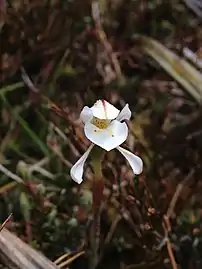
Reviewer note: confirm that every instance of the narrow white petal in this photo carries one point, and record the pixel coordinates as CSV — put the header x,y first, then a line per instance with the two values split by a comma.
x,y
134,161
104,110
86,114
76,171
125,114
111,137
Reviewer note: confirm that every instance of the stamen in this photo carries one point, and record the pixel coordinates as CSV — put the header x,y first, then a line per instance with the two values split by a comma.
x,y
111,133
100,123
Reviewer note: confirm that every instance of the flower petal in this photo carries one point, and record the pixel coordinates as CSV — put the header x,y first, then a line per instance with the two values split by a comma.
x,y
104,110
111,137
86,114
125,114
134,161
76,171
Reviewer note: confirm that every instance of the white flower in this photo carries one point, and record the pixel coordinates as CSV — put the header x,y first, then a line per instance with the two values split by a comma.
x,y
103,126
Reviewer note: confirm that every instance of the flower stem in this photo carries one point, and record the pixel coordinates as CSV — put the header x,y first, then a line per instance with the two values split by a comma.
x,y
97,188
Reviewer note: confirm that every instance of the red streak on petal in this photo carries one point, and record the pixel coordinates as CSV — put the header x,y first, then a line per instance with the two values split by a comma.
x,y
105,109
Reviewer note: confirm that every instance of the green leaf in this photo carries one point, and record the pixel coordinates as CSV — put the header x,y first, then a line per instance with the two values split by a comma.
x,y
11,87
26,128
177,67
25,206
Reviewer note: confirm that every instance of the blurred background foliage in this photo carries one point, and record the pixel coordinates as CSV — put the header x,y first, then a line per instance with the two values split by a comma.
x,y
56,57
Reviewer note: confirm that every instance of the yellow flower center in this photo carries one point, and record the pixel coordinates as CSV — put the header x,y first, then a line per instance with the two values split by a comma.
x,y
100,123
